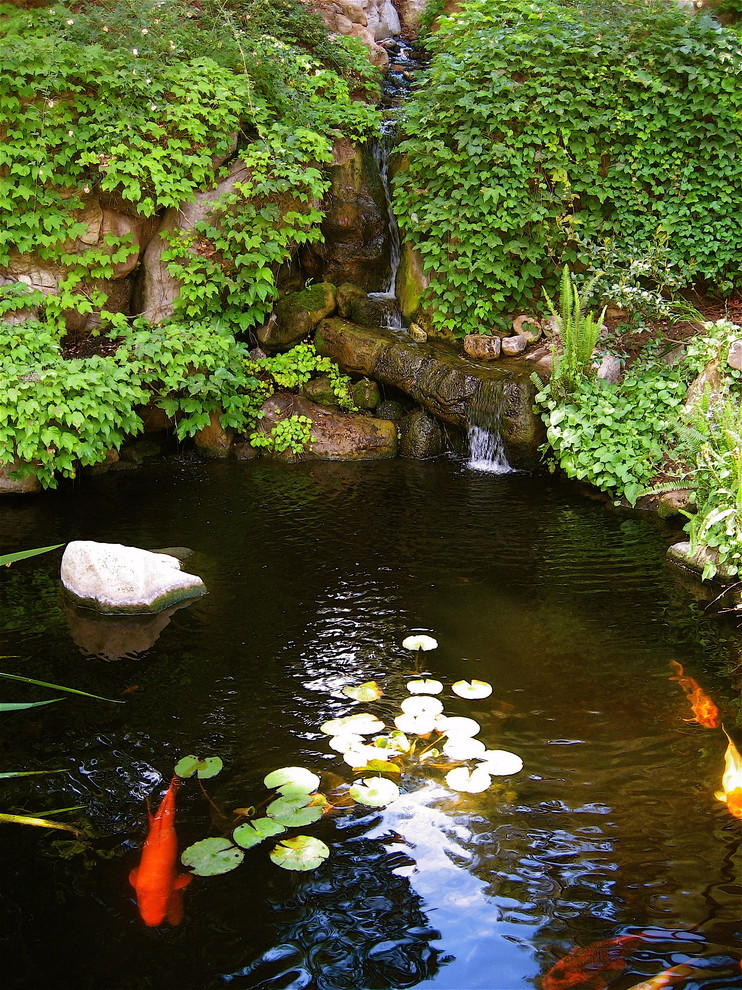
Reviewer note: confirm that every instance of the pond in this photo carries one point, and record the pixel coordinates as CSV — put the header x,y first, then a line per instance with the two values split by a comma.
x,y
316,573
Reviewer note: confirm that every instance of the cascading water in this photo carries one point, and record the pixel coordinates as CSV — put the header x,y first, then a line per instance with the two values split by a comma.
x,y
486,447
397,85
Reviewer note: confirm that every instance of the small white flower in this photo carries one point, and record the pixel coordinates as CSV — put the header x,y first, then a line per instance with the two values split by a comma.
x,y
70,21
135,51
70,133
105,28
148,80
86,189
153,106
145,30
50,103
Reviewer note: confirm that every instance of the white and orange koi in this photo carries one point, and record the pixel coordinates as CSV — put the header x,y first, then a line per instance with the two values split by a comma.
x,y
731,781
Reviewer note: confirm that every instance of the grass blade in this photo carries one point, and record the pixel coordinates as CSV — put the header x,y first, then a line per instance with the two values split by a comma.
x,y
11,558
58,687
26,773
39,823
16,706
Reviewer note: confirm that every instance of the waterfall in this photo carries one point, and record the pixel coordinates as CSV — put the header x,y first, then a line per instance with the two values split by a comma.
x,y
486,447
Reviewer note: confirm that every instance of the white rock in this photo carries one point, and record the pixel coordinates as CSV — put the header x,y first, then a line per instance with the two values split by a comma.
x,y
113,578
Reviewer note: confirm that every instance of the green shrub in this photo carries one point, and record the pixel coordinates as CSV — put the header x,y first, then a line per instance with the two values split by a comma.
x,y
543,124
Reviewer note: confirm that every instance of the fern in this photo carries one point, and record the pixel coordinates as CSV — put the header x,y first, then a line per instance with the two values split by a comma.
x,y
579,332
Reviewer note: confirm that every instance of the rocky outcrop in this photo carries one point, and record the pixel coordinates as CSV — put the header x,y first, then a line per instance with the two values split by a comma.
x,y
112,578
336,436
11,485
450,386
296,315
369,20
356,245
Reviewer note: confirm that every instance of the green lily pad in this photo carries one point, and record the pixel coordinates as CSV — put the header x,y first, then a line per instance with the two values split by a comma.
x,y
293,812
472,689
421,704
471,781
345,741
252,833
420,642
457,725
415,725
303,852
362,723
396,741
425,685
463,748
294,779
380,766
210,857
205,767
370,691
375,792
500,762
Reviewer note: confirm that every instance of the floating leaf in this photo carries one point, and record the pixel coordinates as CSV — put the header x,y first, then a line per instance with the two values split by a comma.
x,y
303,852
472,689
463,748
396,741
295,778
420,642
345,741
205,767
252,833
380,766
38,822
362,723
457,725
500,762
472,781
375,792
416,725
370,691
421,704
292,814
424,685
17,706
210,857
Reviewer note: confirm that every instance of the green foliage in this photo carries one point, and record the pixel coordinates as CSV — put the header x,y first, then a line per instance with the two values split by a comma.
x,y
578,335
614,436
547,124
117,100
292,369
293,433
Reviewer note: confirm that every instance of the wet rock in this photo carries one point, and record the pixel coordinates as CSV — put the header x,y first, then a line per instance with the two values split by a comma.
x,y
297,314
17,486
103,467
112,578
696,560
482,347
674,503
390,409
417,333
450,387
356,245
346,294
512,346
320,390
337,436
366,394
420,435
214,440
411,283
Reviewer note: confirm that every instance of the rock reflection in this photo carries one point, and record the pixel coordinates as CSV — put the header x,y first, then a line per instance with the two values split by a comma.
x,y
116,637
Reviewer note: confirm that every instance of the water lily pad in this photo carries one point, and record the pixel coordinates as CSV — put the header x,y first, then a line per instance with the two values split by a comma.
x,y
345,741
500,762
421,704
424,685
294,778
472,689
252,833
457,725
375,792
472,781
420,642
293,812
396,741
359,756
380,766
203,767
463,748
415,725
362,723
370,691
210,857
303,852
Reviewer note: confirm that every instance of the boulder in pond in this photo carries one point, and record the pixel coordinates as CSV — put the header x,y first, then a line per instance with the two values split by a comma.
x,y
297,314
420,435
116,579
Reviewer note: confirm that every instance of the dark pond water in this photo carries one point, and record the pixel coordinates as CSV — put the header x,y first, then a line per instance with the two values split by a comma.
x,y
315,575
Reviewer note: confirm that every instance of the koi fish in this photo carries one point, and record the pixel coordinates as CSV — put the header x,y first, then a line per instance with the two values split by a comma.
x,y
705,711
159,889
731,781
667,978
594,966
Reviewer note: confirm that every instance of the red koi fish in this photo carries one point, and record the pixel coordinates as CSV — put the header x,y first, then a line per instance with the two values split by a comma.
x,y
704,710
595,966
159,889
731,781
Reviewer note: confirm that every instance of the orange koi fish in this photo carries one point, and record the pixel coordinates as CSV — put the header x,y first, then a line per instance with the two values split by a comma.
x,y
731,781
594,966
705,711
667,978
159,889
